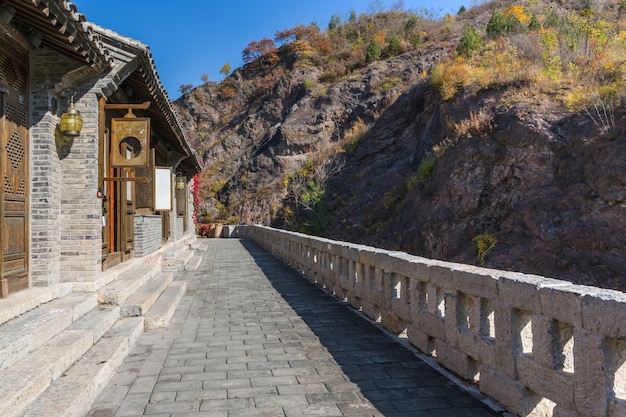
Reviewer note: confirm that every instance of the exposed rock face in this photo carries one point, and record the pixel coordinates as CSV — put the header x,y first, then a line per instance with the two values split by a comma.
x,y
544,183
550,189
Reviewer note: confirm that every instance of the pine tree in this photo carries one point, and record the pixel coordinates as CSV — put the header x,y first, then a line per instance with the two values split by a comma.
x,y
373,51
470,42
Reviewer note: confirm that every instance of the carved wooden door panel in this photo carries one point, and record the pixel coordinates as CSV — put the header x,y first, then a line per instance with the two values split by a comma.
x,y
14,176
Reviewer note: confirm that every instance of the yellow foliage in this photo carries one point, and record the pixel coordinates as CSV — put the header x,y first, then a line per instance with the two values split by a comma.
x,y
448,79
517,11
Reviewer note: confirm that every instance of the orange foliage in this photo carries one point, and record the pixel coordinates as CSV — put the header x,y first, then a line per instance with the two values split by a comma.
x,y
380,37
517,11
256,49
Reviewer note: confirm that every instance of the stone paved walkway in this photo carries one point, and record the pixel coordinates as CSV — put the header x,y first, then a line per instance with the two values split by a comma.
x,y
252,337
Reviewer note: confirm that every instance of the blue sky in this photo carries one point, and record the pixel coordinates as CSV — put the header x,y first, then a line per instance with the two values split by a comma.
x,y
189,38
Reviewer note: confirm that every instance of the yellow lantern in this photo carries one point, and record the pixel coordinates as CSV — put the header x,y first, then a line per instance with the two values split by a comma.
x,y
71,121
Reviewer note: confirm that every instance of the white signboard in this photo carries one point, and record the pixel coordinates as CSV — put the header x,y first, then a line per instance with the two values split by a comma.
x,y
162,188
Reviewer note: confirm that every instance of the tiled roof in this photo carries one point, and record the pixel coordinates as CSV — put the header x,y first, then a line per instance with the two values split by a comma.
x,y
137,70
64,29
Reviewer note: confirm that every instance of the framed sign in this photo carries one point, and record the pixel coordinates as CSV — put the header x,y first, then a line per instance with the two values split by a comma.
x,y
162,188
130,141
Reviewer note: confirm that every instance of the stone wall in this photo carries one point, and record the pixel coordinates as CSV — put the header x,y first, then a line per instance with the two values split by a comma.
x,y
538,346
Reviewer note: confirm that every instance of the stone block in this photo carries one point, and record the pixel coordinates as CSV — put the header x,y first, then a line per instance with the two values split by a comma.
x,y
370,310
521,291
548,383
430,324
508,392
617,408
562,412
420,340
392,322
563,303
475,281
456,361
505,341
481,349
544,343
441,276
165,306
451,318
590,382
604,313
354,301
401,309
408,265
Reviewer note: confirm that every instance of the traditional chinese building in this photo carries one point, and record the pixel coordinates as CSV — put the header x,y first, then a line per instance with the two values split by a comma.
x,y
94,202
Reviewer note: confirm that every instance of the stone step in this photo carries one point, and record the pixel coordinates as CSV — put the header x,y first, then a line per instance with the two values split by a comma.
x,y
200,245
163,310
27,378
29,299
174,260
194,263
36,327
73,394
141,301
127,283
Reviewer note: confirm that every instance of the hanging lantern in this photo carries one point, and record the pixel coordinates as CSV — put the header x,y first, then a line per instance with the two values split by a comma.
x,y
180,181
71,122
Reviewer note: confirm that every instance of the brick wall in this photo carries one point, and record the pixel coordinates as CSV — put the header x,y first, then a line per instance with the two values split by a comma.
x,y
148,234
66,228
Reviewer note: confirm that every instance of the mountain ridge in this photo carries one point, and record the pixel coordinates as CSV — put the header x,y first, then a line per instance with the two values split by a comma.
x,y
379,153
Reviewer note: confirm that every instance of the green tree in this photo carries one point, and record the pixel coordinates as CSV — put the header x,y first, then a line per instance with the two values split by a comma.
x,y
534,24
335,22
497,24
462,10
552,20
470,42
395,46
412,23
373,51
352,18
225,70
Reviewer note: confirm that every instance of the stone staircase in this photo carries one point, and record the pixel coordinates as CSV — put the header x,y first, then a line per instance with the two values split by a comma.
x,y
59,348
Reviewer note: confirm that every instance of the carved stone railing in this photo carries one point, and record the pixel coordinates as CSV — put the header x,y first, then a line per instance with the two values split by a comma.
x,y
538,346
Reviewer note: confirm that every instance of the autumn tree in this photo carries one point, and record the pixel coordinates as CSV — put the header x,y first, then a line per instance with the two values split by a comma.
x,y
185,88
310,34
257,49
225,70
205,77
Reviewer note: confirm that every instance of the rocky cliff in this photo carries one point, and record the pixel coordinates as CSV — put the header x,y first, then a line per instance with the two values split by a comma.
x,y
373,154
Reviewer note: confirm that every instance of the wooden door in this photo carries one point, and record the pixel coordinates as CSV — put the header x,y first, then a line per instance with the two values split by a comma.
x,y
128,232
14,144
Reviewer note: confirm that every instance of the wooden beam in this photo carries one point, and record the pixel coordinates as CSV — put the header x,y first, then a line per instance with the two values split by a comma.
x,y
142,180
142,106
4,288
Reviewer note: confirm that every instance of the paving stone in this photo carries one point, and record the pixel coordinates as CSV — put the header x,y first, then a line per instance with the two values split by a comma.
x,y
253,338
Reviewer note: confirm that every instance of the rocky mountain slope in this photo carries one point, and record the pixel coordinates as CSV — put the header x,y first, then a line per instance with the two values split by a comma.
x,y
503,175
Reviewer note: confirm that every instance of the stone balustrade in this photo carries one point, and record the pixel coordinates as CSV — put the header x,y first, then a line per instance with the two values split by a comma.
x,y
538,346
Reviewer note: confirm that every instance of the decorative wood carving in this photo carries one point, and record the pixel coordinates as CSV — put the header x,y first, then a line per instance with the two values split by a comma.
x,y
130,141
